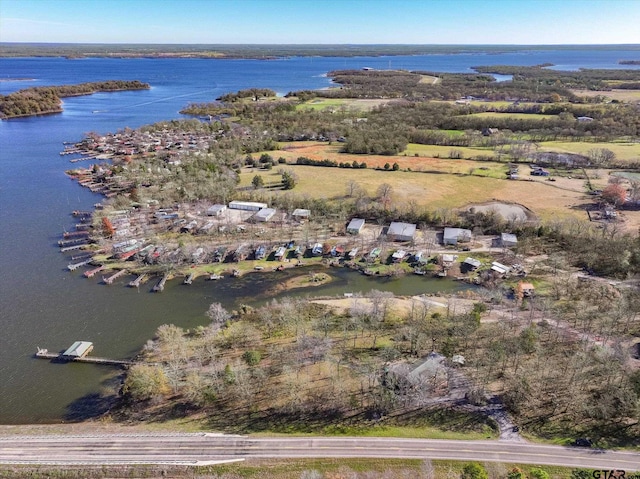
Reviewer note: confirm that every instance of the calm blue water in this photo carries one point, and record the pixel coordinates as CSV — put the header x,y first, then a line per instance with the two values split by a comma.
x,y
44,305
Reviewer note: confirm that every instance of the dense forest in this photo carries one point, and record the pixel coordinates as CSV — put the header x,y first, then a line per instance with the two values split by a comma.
x,y
43,100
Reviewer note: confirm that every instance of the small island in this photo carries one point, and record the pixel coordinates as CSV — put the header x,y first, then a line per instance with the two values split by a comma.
x,y
629,62
48,99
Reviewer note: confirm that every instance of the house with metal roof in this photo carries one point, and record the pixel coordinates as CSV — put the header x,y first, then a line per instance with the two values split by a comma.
x,y
301,214
472,263
247,205
355,226
453,236
265,214
508,240
216,210
401,231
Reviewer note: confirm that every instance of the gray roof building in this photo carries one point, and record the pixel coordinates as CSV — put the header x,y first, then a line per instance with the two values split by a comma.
x,y
355,226
265,214
401,231
508,239
79,349
452,236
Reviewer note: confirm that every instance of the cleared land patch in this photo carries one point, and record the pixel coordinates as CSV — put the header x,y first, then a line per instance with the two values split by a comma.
x,y
518,116
336,103
433,190
624,151
632,96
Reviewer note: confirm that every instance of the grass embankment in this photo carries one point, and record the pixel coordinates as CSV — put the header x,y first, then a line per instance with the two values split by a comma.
x,y
322,468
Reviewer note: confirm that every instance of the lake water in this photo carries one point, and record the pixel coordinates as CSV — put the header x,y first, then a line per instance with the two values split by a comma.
x,y
42,304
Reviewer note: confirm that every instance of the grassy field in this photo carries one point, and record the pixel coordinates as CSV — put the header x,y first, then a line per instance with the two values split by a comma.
x,y
336,103
434,190
320,468
518,116
632,96
624,151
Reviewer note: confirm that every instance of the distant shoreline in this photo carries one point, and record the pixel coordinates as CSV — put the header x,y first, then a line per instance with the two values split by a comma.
x,y
266,52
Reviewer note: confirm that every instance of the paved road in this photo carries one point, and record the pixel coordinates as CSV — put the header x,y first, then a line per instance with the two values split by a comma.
x,y
101,449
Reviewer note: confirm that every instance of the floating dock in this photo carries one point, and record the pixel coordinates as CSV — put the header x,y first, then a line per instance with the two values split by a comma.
x,y
64,357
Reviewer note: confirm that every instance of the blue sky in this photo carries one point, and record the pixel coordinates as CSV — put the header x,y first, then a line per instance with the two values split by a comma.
x,y
322,21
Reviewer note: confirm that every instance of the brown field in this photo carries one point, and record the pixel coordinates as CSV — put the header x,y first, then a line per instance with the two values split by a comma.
x,y
437,183
632,96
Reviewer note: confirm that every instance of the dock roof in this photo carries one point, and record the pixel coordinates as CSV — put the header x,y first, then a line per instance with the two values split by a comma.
x,y
79,349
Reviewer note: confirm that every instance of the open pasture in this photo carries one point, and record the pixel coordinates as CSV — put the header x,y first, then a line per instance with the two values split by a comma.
x,y
631,96
337,103
515,116
431,190
624,151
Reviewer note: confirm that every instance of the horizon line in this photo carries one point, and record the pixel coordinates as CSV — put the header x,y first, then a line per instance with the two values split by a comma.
x,y
331,44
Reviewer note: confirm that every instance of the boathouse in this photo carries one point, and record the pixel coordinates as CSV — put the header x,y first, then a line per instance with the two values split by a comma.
x,y
79,349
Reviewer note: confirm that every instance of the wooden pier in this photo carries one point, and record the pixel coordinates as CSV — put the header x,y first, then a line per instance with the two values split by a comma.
x,y
159,288
92,272
59,357
73,248
72,242
138,281
113,277
74,266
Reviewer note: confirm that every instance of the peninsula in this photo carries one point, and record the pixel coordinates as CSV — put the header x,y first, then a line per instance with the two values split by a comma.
x,y
48,99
